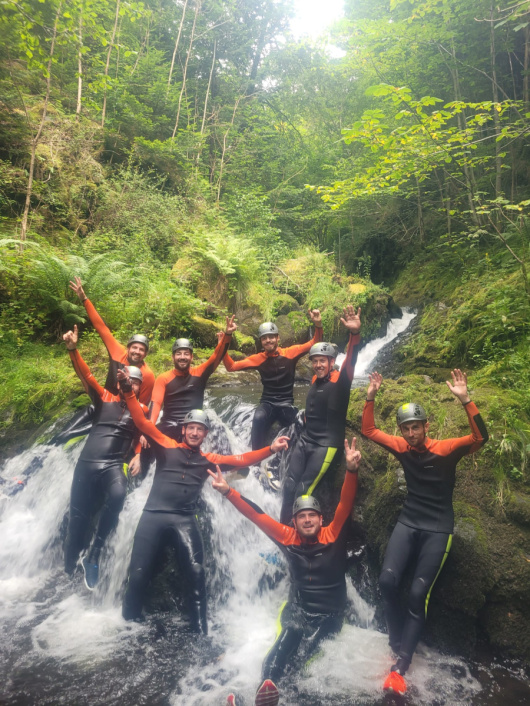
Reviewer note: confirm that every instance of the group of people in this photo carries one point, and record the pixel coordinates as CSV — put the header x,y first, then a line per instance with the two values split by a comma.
x,y
316,554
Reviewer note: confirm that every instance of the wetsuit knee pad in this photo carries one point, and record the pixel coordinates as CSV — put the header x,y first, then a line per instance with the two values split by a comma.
x,y
388,582
417,597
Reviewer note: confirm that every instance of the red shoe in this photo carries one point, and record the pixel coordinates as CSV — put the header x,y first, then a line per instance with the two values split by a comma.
x,y
395,683
267,695
231,700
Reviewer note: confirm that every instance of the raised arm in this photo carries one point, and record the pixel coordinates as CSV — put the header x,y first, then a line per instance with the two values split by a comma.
x,y
479,434
295,352
282,534
83,371
250,363
368,428
251,457
115,349
159,391
207,368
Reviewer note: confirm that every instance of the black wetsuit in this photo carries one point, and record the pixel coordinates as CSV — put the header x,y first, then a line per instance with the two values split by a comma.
x,y
425,526
277,373
169,514
322,440
317,596
99,470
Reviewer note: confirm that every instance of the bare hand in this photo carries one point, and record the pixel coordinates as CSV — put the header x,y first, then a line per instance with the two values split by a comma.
x,y
135,465
144,443
315,317
77,287
219,483
280,444
124,380
375,383
352,455
459,386
231,325
220,335
71,338
352,319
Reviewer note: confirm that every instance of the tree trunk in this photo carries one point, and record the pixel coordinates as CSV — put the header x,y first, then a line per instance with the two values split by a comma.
x,y
208,89
176,47
223,153
185,72
526,64
421,225
36,139
106,74
79,66
496,119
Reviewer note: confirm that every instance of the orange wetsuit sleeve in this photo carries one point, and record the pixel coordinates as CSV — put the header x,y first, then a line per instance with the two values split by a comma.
x,y
115,349
159,391
148,383
241,460
466,444
348,364
250,363
144,425
370,431
83,371
283,534
344,508
206,369
294,352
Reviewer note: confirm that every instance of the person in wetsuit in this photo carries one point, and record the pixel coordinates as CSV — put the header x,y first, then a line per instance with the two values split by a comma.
x,y
317,560
99,468
180,390
276,367
133,354
319,445
424,530
169,513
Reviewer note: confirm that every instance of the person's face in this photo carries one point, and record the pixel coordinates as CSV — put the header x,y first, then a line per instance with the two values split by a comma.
x,y
136,385
182,358
322,365
414,433
269,342
307,523
194,434
136,353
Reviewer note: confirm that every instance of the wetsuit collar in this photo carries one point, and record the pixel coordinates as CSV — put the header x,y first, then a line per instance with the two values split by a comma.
x,y
426,446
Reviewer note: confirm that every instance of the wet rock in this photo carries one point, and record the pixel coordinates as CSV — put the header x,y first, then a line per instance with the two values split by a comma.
x,y
517,508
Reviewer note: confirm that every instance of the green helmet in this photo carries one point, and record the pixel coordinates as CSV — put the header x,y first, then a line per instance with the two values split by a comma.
x,y
306,502
197,416
410,412
138,338
327,349
182,343
135,373
268,329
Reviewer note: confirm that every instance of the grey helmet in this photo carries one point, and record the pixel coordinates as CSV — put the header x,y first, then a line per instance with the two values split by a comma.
x,y
197,416
138,338
306,502
182,343
327,349
410,412
268,329
135,373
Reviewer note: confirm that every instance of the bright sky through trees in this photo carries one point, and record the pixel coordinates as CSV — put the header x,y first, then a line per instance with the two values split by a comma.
x,y
314,16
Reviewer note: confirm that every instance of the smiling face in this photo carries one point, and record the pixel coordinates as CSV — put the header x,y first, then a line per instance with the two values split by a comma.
x,y
307,523
194,434
136,353
322,365
182,358
414,433
270,342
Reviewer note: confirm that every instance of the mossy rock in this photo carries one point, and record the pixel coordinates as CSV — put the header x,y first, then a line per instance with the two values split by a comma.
x,y
517,508
246,344
204,331
283,304
293,328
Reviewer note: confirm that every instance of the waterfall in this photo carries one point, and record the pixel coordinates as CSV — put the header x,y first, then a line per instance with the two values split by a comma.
x,y
62,644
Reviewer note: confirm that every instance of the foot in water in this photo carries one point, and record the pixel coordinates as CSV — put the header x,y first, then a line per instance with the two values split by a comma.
x,y
91,572
267,695
395,684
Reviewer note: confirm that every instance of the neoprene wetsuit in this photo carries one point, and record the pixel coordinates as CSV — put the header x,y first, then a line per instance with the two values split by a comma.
x,y
277,372
99,469
317,596
118,354
321,442
178,393
425,525
169,513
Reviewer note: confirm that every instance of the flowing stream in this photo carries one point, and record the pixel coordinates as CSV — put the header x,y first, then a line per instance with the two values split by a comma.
x,y
63,645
